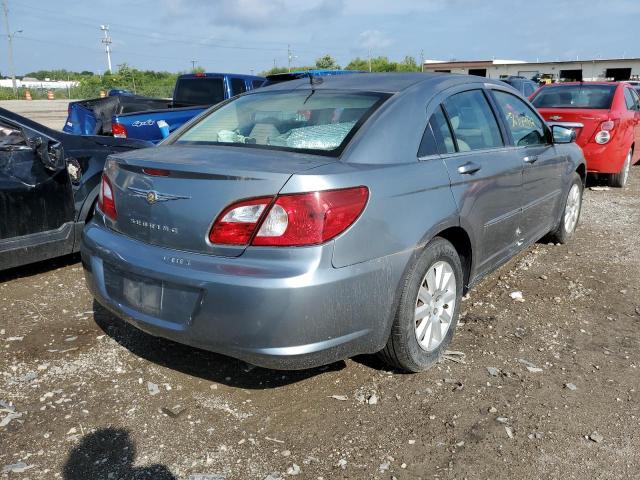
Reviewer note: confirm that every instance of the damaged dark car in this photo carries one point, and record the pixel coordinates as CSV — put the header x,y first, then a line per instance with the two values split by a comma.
x,y
49,182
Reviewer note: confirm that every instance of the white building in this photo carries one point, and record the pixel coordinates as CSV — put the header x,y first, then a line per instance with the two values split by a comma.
x,y
595,69
35,84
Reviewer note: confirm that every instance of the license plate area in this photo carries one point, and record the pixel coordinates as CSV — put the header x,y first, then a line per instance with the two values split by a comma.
x,y
147,296
160,299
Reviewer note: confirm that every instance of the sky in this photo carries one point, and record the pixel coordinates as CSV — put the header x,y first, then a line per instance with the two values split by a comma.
x,y
247,36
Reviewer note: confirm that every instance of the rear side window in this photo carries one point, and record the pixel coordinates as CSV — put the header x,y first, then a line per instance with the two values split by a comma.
x,y
525,126
199,91
472,120
630,100
238,86
598,97
437,137
257,83
528,89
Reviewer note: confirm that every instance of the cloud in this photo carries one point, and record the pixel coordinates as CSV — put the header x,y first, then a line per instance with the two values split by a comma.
x,y
373,39
255,14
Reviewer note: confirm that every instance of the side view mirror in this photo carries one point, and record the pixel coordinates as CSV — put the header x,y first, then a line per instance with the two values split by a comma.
x,y
50,153
562,134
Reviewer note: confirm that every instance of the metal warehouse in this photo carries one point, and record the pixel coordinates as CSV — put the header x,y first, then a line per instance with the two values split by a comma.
x,y
574,70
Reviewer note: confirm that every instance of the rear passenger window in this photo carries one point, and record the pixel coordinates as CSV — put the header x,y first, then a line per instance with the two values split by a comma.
x,y
472,120
629,99
525,126
238,86
528,90
437,137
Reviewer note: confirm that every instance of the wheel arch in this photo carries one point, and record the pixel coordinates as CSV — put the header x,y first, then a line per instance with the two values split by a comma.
x,y
461,241
582,171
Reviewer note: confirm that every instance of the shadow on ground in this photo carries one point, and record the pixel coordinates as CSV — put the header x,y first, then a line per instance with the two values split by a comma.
x,y
109,454
196,362
38,267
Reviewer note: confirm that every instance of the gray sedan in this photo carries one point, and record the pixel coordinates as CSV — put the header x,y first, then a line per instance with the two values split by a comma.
x,y
317,219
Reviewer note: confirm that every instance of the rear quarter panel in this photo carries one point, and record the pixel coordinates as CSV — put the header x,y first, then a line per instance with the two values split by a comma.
x,y
408,203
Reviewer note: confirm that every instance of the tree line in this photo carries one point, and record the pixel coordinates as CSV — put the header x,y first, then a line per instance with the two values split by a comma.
x,y
160,83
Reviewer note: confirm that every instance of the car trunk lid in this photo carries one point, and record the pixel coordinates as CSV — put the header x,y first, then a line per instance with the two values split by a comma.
x,y
171,195
584,122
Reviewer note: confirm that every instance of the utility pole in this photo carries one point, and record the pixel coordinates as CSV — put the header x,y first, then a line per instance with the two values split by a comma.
x,y
369,59
290,56
193,65
422,61
107,41
10,44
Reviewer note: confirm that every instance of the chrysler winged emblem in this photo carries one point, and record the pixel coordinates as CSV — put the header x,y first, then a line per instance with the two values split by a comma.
x,y
152,196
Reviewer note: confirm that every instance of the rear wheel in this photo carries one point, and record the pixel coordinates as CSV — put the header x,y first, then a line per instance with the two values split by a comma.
x,y
427,314
619,179
571,212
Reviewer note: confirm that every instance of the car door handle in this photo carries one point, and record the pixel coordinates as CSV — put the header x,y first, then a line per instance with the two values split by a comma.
x,y
530,159
468,168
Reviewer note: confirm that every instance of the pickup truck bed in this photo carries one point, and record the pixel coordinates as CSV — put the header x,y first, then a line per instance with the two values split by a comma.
x,y
138,117
94,116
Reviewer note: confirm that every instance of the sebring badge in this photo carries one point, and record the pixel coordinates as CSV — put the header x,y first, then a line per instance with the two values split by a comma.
x,y
151,196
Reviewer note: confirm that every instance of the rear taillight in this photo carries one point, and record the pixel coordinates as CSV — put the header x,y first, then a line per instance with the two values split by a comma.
x,y
236,224
106,203
118,130
606,132
292,220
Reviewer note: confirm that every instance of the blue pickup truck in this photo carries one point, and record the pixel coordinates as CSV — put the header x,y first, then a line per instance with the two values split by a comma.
x,y
152,119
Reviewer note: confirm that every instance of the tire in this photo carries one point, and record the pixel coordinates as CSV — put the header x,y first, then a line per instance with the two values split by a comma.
x,y
570,212
403,349
619,180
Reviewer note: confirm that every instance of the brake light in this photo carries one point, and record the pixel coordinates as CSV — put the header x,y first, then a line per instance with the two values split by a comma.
x,y
106,202
608,125
118,130
156,172
236,224
292,220
200,74
606,132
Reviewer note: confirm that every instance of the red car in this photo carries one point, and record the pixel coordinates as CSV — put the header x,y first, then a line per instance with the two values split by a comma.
x,y
606,119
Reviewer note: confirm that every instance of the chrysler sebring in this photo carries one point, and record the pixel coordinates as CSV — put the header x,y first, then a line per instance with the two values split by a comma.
x,y
321,218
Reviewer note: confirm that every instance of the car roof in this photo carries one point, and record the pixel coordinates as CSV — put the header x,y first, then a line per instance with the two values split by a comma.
x,y
583,83
376,82
218,75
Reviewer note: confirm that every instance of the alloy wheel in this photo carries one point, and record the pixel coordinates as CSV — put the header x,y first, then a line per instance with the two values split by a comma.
x,y
572,209
435,305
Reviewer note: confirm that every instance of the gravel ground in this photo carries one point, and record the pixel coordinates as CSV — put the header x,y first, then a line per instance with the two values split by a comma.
x,y
546,387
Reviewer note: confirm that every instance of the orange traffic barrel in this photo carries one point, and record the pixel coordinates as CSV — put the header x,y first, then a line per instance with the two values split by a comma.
x,y
103,93
27,95
50,95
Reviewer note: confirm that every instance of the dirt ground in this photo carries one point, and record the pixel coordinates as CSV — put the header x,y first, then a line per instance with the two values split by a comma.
x,y
85,396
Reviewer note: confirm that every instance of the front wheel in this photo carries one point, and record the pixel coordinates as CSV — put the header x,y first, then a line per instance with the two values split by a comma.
x,y
619,179
427,314
571,212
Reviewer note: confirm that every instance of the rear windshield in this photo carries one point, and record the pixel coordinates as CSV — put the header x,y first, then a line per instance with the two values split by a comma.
x,y
575,96
316,121
199,91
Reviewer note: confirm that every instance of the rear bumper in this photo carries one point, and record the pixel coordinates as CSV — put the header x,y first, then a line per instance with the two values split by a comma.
x,y
277,309
607,158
